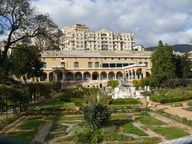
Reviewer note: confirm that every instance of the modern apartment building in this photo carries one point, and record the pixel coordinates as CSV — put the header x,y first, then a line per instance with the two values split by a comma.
x,y
79,37
95,68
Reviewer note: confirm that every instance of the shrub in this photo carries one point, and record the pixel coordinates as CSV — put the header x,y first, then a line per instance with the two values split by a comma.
x,y
137,109
96,115
87,135
113,83
78,101
184,119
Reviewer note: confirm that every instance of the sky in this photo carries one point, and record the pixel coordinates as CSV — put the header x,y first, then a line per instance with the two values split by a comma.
x,y
149,20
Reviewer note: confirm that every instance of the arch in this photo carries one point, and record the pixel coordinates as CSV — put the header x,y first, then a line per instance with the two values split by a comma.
x,y
69,76
119,75
111,75
95,76
58,75
78,76
43,77
51,76
139,73
148,74
103,75
86,76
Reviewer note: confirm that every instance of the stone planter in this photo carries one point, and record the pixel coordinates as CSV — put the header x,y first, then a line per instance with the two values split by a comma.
x,y
153,106
145,104
185,104
78,108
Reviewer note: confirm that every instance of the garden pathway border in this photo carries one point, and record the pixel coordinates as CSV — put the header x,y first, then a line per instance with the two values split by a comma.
x,y
40,137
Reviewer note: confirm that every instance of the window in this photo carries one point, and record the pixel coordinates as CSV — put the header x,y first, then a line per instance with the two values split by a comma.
x,y
105,65
119,64
146,64
96,64
76,65
140,62
62,64
89,64
44,65
62,58
112,65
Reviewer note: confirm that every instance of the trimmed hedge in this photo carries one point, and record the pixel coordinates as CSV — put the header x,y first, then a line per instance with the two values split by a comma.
x,y
121,101
161,99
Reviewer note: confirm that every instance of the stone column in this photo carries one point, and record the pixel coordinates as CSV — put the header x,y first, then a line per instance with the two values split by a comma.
x,y
115,76
144,73
54,76
48,76
63,76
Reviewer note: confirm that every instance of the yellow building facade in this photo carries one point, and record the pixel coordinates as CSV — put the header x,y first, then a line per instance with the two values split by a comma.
x,y
94,68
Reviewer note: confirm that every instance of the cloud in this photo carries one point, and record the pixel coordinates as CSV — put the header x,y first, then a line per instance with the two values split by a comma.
x,y
149,20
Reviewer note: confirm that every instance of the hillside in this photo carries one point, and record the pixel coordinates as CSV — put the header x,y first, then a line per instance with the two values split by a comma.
x,y
183,48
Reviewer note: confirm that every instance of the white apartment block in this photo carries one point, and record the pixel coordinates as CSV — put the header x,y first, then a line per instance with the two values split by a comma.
x,y
79,37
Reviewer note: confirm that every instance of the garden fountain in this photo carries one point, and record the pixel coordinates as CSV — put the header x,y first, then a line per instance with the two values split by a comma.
x,y
123,90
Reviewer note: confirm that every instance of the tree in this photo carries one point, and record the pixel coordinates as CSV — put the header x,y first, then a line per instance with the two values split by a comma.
x,y
163,64
19,21
113,83
183,66
26,62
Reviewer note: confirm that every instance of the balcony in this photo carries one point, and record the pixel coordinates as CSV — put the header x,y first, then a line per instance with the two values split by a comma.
x,y
58,67
95,68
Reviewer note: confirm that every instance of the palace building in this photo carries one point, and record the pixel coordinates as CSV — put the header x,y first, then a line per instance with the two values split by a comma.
x,y
94,68
79,37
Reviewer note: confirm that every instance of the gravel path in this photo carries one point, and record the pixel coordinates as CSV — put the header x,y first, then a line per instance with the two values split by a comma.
x,y
12,126
180,111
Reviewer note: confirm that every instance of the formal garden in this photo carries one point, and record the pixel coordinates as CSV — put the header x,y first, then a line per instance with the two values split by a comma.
x,y
89,115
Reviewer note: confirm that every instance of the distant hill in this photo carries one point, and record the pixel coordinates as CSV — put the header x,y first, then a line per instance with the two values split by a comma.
x,y
183,48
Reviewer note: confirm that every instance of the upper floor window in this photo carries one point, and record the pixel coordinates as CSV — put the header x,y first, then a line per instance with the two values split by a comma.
x,y
62,64
89,64
146,64
76,65
96,64
44,65
140,62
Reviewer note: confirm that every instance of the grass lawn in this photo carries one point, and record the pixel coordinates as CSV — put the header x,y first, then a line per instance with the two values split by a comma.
x,y
23,136
116,116
57,103
125,106
118,137
55,118
31,124
147,120
130,128
170,132
56,131
151,142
